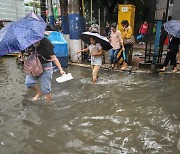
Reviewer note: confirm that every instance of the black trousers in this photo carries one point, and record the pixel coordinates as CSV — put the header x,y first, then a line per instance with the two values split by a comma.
x,y
171,55
127,49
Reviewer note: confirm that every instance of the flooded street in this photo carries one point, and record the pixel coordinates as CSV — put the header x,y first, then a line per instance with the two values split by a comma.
x,y
124,113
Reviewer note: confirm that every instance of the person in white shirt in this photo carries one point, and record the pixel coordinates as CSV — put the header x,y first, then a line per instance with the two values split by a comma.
x,y
96,52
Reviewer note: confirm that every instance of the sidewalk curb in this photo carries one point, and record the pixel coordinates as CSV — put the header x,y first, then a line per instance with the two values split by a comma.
x,y
129,70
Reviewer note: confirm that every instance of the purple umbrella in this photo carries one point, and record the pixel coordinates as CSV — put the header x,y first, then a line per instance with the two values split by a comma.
x,y
173,28
19,35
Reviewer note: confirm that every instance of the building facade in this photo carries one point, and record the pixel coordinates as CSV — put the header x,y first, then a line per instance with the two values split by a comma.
x,y
176,10
173,10
11,10
161,9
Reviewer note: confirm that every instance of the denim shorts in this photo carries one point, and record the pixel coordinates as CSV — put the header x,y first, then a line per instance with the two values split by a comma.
x,y
45,79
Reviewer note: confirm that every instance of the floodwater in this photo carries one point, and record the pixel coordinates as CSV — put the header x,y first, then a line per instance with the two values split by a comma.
x,y
123,113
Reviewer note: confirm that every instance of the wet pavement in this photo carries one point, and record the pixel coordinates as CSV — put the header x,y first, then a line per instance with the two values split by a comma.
x,y
124,112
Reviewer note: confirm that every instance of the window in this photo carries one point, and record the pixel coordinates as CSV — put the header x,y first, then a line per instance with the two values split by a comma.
x,y
171,1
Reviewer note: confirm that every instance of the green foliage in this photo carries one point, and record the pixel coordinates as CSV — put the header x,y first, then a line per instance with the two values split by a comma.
x,y
36,4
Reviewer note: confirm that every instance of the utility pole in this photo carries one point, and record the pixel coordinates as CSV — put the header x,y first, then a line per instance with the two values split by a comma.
x,y
50,13
74,29
65,21
99,16
91,12
43,9
167,8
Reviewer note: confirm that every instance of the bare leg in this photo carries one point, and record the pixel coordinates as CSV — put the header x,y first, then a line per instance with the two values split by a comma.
x,y
125,66
163,69
21,56
38,93
174,70
95,73
48,98
178,56
92,67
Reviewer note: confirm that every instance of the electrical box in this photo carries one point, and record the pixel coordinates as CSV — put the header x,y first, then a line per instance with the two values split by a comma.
x,y
126,12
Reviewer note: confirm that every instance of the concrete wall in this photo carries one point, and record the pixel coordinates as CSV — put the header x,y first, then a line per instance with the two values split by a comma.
x,y
176,10
11,9
161,8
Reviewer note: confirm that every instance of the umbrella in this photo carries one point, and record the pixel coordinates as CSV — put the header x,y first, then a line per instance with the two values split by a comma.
x,y
20,34
85,37
173,28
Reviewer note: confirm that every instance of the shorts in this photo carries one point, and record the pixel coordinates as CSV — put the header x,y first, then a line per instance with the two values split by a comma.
x,y
96,60
45,79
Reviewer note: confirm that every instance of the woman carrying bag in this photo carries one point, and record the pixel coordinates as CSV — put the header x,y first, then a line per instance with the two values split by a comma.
x,y
128,40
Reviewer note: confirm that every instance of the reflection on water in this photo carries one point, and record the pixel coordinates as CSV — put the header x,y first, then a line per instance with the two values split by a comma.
x,y
122,113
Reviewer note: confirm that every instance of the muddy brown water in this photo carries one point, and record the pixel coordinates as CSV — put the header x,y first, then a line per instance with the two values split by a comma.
x,y
123,113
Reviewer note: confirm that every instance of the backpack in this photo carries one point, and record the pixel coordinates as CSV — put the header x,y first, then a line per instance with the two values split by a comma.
x,y
33,65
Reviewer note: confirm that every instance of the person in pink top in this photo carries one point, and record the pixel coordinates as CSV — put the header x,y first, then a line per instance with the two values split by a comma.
x,y
117,43
143,30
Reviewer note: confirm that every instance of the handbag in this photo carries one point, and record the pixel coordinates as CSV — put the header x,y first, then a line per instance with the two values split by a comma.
x,y
33,65
130,40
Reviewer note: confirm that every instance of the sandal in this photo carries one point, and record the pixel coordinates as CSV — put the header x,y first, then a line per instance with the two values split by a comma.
x,y
162,70
111,68
174,71
116,68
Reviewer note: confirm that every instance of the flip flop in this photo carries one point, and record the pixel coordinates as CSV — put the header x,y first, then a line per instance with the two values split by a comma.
x,y
161,70
174,71
111,68
116,68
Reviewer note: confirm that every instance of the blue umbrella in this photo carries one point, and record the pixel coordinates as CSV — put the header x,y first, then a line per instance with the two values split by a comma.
x,y
19,35
173,28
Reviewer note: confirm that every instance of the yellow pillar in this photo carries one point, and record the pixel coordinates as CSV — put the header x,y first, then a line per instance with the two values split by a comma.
x,y
126,12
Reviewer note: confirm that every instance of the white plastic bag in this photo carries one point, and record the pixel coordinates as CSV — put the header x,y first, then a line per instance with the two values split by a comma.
x,y
64,77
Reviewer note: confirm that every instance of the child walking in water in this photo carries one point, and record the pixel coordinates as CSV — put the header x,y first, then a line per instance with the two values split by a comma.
x,y
96,52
